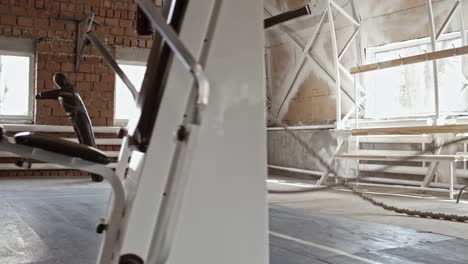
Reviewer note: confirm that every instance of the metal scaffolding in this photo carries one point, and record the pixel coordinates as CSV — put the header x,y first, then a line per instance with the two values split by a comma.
x,y
359,96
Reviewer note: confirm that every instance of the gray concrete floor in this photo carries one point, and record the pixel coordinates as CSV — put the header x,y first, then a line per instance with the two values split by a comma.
x,y
53,220
340,202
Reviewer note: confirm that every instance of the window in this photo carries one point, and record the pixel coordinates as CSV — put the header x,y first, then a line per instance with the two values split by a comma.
x,y
124,102
16,85
408,91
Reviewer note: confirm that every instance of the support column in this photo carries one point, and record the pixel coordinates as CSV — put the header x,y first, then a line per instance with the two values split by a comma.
x,y
336,63
434,63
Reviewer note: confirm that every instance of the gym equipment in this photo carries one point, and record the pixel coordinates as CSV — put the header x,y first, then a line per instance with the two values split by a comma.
x,y
175,192
75,109
86,37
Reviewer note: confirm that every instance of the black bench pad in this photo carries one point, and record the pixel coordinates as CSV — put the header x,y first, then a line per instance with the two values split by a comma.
x,y
62,146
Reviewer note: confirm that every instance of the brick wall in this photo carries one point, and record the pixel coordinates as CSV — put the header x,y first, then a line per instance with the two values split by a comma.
x,y
50,23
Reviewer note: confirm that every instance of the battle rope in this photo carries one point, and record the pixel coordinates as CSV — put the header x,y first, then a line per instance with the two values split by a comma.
x,y
345,183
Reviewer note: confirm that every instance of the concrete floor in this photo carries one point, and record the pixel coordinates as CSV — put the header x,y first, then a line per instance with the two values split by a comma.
x,y
52,221
342,203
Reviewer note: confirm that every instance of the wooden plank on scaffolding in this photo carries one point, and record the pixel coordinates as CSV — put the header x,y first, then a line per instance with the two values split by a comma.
x,y
429,56
415,130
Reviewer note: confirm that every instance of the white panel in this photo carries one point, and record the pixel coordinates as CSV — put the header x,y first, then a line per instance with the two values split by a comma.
x,y
224,217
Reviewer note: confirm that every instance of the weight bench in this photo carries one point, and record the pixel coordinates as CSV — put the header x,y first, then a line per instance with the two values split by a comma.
x,y
422,157
62,146
76,156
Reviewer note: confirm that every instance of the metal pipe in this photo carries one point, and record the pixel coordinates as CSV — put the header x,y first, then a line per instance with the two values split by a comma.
x,y
112,63
451,176
435,187
323,179
447,20
434,63
311,59
293,76
310,172
179,49
342,11
336,62
316,127
346,46
462,23
356,98
350,77
351,111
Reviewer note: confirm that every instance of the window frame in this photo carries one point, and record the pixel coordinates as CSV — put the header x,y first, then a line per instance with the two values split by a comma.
x,y
370,57
120,121
29,118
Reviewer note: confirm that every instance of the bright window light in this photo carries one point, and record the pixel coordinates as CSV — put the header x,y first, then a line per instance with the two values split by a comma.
x,y
15,87
408,91
124,102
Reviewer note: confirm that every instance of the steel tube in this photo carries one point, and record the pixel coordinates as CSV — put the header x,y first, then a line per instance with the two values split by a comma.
x,y
317,127
346,46
447,20
434,63
112,63
293,76
179,49
344,13
310,172
336,62
356,99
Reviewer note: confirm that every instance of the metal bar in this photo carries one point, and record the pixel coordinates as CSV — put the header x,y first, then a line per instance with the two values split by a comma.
x,y
351,111
411,130
462,23
342,11
312,60
434,62
432,169
179,49
447,20
413,184
461,14
346,46
451,175
310,172
112,63
323,179
286,16
348,75
316,127
336,62
111,240
430,56
356,109
293,76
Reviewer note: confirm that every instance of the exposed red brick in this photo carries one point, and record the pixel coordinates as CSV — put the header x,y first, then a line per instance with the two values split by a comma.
x,y
8,20
25,21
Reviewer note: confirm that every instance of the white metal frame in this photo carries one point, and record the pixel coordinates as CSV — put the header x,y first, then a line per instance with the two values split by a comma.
x,y
117,205
338,54
371,58
32,80
434,37
341,120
